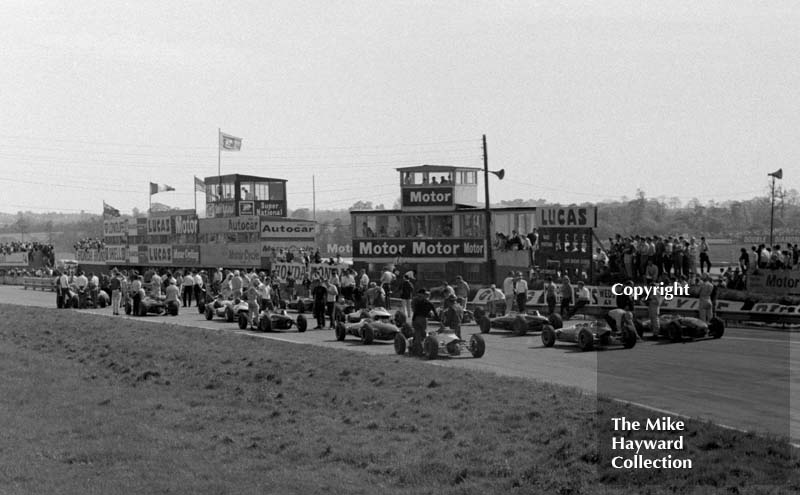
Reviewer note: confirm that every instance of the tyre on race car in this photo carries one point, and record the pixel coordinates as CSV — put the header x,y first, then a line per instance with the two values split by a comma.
x,y
430,347
341,332
555,321
716,328
229,316
209,313
485,324
242,321
265,324
548,336
399,344
407,330
367,334
585,339
302,323
477,346
674,331
519,326
172,308
628,338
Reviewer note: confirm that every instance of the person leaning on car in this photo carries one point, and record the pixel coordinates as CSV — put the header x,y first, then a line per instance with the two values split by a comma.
x,y
421,308
173,294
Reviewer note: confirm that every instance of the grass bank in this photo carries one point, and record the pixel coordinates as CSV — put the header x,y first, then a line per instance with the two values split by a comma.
x,y
94,404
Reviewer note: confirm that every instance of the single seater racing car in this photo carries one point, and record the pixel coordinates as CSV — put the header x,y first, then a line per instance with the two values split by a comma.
x,y
591,334
268,320
677,328
443,341
151,306
221,308
375,324
520,323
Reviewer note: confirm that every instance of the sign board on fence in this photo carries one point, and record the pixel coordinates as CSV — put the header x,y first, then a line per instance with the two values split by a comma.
x,y
298,270
775,282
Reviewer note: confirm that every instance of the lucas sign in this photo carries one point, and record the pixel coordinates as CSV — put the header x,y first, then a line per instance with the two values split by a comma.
x,y
566,216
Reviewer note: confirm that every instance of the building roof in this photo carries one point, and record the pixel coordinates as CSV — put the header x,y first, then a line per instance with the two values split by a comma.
x,y
435,168
215,179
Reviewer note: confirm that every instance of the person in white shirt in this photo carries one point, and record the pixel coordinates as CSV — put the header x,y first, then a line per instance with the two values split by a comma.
x,y
198,289
155,285
508,290
496,296
521,292
187,288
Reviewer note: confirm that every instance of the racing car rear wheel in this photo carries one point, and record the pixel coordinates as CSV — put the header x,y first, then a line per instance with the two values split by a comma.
x,y
479,313
628,338
430,347
367,334
548,336
485,324
243,321
400,319
585,339
399,344
340,331
555,321
302,323
265,324
674,331
519,326
716,328
209,313
407,330
229,314
477,346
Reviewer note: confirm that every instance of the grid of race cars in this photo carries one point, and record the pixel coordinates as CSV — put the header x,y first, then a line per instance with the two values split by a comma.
x,y
373,324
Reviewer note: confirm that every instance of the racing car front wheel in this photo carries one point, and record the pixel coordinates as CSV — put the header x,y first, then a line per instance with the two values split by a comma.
x,y
674,331
477,346
430,347
209,313
229,314
302,323
340,331
485,324
585,340
716,328
548,336
628,338
399,344
242,321
555,321
367,334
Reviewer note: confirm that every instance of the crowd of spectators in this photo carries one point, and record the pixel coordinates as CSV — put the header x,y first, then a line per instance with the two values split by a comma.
x,y
88,243
31,248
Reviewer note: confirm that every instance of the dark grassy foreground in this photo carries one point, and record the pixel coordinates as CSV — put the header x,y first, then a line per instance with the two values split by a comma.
x,y
91,404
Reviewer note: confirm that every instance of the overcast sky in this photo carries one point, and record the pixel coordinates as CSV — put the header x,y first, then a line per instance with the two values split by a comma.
x,y
580,100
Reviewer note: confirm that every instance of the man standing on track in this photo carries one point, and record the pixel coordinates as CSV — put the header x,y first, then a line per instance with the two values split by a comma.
x,y
422,308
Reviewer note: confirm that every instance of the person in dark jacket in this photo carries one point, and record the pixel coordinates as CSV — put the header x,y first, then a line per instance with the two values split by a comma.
x,y
422,308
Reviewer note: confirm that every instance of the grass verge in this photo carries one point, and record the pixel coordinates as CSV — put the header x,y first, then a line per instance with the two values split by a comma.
x,y
92,404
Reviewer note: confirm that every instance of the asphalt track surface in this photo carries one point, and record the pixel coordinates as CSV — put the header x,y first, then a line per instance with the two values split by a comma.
x,y
748,380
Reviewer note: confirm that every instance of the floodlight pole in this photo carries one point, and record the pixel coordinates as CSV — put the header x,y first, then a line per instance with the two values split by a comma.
x,y
488,211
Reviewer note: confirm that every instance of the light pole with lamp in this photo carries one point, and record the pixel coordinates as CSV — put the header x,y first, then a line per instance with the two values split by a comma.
x,y
778,174
488,221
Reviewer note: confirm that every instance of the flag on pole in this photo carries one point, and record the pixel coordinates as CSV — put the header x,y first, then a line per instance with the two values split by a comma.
x,y
199,185
157,188
229,143
109,211
778,174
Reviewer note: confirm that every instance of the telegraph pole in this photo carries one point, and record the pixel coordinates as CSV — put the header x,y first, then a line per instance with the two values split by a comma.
x,y
488,221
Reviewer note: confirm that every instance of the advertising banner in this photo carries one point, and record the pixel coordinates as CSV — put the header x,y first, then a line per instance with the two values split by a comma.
x,y
89,256
14,259
420,248
246,208
186,254
288,230
185,224
159,226
427,196
774,282
230,255
141,227
115,227
217,210
271,208
230,225
566,216
159,254
116,254
270,249
298,270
